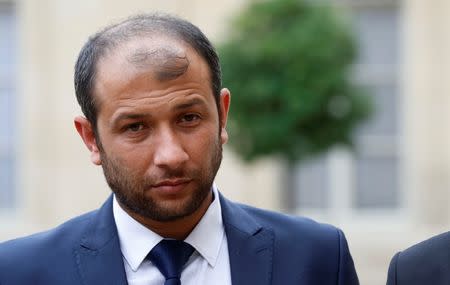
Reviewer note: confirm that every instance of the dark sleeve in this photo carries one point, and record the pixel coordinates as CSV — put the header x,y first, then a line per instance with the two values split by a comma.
x,y
392,273
347,272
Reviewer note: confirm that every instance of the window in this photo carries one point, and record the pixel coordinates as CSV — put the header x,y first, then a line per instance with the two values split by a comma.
x,y
7,100
377,162
369,178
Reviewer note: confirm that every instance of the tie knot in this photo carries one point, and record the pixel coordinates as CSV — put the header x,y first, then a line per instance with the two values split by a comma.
x,y
169,256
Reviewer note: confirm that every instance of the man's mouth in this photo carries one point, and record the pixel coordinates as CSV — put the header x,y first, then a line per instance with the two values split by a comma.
x,y
171,186
172,182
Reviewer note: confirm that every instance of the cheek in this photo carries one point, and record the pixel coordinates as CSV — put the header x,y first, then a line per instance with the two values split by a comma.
x,y
139,157
135,158
200,147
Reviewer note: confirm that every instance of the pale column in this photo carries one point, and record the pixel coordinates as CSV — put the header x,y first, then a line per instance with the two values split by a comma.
x,y
446,125
426,107
37,121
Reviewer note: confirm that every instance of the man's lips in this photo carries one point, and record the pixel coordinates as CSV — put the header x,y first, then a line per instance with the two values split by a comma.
x,y
172,182
172,186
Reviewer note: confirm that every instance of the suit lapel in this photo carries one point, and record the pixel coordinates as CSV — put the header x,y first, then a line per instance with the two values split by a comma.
x,y
98,258
250,246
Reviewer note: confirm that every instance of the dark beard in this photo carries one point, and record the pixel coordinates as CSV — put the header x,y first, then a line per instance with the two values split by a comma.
x,y
130,188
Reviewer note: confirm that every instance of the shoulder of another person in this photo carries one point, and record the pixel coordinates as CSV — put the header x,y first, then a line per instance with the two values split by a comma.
x,y
431,248
427,261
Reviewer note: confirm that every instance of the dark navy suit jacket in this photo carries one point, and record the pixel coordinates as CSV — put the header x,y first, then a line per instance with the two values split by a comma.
x,y
264,248
426,263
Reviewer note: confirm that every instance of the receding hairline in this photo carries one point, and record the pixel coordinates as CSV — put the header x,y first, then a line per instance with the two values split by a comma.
x,y
142,25
145,25
155,27
165,55
136,50
186,52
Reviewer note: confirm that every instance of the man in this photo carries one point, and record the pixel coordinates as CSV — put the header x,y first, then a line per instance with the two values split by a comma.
x,y
425,263
155,117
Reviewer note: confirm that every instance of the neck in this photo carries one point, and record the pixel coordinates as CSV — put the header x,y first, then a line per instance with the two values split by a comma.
x,y
177,229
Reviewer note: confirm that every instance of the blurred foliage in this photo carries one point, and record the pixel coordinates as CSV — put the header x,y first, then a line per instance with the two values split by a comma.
x,y
287,65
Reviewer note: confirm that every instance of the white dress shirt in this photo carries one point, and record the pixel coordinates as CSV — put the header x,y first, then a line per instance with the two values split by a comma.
x,y
209,264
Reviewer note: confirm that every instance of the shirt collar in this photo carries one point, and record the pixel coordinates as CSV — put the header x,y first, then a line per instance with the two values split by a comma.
x,y
136,240
208,235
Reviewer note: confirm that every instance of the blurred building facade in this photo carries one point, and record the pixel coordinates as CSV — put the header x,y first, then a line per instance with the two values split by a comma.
x,y
393,191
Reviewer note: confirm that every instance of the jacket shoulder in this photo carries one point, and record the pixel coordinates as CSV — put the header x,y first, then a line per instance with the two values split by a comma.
x,y
428,248
427,261
288,226
44,248
318,252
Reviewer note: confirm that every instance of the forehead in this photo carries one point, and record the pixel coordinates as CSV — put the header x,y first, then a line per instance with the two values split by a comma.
x,y
155,59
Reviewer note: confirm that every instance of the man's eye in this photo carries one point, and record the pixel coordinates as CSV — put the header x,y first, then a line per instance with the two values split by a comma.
x,y
135,127
190,118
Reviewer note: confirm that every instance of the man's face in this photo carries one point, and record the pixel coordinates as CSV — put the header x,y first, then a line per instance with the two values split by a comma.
x,y
160,140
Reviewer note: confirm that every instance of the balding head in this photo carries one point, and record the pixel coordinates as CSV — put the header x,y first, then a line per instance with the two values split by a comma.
x,y
166,61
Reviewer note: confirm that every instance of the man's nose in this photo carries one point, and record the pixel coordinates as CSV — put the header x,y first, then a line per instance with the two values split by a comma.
x,y
169,151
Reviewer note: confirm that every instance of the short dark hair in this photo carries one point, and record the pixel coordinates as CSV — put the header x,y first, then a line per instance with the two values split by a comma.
x,y
139,25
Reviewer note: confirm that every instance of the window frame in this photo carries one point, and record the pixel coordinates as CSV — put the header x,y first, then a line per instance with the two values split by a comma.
x,y
8,83
341,162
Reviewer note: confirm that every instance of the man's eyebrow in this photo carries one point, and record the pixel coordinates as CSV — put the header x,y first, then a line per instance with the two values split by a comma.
x,y
189,104
127,116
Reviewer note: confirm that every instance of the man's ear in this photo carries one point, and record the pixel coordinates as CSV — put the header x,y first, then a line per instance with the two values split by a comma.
x,y
225,97
84,128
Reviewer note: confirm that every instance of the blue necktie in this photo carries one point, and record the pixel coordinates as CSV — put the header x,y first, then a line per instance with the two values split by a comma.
x,y
169,256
